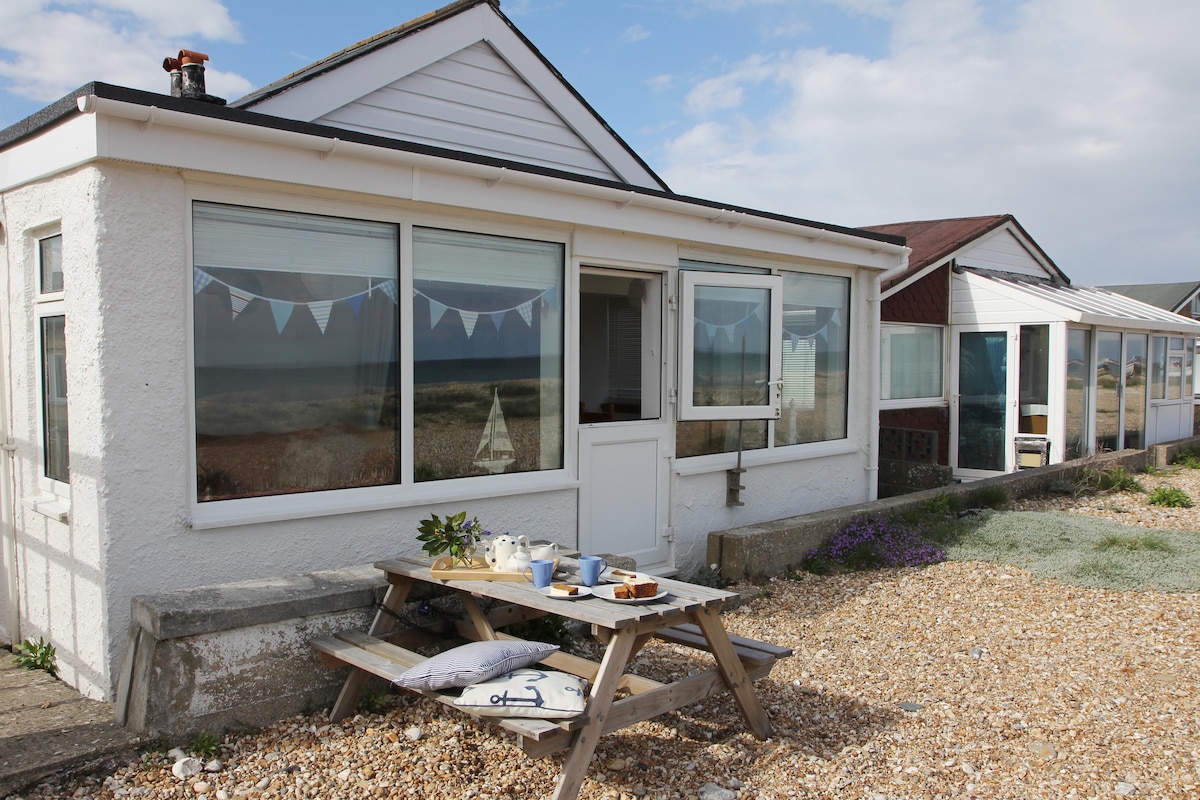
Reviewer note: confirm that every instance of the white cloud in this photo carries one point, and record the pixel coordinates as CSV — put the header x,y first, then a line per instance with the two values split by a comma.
x,y
50,48
661,83
1077,116
728,90
635,33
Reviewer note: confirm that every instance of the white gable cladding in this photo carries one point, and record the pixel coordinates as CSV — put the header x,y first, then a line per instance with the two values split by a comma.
x,y
1003,252
477,44
472,101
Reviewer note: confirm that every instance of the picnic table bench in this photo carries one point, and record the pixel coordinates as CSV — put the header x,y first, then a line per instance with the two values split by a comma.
x,y
689,616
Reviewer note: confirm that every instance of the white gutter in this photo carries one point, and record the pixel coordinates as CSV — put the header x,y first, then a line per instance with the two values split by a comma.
x,y
152,115
874,387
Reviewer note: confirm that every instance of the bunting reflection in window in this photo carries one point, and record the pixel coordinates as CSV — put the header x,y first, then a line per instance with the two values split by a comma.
x,y
296,341
487,353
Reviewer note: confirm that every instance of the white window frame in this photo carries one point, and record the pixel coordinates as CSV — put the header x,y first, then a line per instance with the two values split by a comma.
x,y
407,494
689,281
927,401
55,496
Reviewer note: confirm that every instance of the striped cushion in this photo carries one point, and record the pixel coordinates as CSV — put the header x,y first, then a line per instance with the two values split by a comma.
x,y
471,663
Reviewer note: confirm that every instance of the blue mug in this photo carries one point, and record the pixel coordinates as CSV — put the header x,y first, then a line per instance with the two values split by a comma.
x,y
590,568
540,571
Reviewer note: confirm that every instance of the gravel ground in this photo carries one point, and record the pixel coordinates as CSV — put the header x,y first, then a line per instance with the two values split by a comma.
x,y
1131,508
951,681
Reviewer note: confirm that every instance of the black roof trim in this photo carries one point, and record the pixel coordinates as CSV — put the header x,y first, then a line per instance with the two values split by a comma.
x,y
67,107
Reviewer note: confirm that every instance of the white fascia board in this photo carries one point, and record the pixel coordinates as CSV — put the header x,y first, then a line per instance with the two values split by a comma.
x,y
1146,325
50,152
177,140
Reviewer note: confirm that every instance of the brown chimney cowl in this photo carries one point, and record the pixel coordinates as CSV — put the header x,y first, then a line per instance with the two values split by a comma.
x,y
187,76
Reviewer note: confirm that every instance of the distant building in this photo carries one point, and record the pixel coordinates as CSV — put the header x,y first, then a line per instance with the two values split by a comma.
x,y
992,361
1182,298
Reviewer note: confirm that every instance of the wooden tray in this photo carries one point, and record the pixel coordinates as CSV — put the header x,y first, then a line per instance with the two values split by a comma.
x,y
444,570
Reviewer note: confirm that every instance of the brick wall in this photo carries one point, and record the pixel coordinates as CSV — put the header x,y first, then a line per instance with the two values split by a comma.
x,y
921,419
926,301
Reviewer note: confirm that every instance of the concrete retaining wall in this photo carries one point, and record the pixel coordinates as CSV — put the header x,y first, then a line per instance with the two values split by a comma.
x,y
237,656
772,548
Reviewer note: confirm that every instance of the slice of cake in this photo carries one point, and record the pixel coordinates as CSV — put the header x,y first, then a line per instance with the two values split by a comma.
x,y
622,592
639,585
563,590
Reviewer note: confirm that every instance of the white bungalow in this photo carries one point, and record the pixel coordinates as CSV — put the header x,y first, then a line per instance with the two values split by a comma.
x,y
992,361
421,275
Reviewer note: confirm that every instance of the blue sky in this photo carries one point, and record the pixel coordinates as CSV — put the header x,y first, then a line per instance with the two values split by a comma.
x,y
1079,117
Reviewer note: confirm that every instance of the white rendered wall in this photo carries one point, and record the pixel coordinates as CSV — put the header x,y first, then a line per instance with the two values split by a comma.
x,y
60,567
128,341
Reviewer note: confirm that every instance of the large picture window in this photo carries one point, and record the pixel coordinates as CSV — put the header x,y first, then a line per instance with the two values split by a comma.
x,y
296,342
487,354
911,360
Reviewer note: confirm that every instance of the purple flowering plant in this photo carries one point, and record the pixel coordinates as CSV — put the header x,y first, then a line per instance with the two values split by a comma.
x,y
873,542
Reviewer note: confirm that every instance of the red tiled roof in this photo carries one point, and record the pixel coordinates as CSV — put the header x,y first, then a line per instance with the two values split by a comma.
x,y
935,239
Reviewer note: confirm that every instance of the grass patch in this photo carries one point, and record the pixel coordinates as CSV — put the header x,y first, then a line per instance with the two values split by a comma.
x,y
1169,496
1084,551
1188,457
1149,542
1113,479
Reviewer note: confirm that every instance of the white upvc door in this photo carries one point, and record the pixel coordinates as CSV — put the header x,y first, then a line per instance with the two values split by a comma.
x,y
624,433
983,399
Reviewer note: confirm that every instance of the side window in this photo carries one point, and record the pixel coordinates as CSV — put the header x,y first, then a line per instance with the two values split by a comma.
x,y
296,352
52,350
816,358
911,362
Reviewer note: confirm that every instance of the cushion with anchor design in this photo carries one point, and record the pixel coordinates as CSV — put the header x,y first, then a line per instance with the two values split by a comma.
x,y
526,693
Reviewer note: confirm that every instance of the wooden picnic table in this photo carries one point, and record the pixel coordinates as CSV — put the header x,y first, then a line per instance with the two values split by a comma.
x,y
689,615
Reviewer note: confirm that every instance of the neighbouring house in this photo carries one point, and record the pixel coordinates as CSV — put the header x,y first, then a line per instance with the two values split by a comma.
x,y
421,275
992,361
1182,298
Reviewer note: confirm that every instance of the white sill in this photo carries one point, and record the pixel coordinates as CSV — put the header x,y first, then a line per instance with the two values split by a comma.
x,y
719,462
50,505
280,508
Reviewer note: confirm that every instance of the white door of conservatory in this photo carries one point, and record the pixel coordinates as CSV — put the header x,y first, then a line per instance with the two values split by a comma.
x,y
624,438
983,394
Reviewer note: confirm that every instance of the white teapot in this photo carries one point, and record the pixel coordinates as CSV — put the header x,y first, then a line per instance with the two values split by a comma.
x,y
501,548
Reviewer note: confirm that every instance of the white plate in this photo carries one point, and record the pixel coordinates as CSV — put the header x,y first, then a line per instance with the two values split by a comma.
x,y
607,575
583,592
605,592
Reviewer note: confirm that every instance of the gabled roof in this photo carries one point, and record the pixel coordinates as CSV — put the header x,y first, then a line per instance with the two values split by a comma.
x,y
937,241
1171,296
463,77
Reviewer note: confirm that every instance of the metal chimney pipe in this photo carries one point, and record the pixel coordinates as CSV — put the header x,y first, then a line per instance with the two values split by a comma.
x,y
173,65
187,76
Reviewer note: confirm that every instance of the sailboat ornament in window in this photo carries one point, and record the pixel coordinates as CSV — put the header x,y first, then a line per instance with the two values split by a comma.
x,y
495,447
